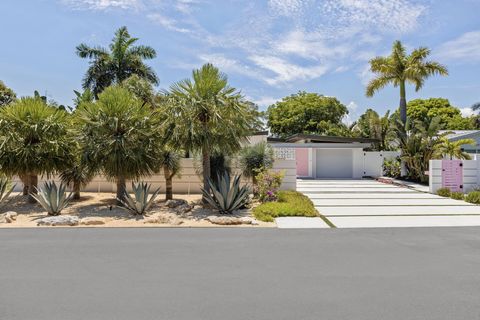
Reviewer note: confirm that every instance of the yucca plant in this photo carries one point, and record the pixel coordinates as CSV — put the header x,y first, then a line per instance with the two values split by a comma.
x,y
224,196
53,198
140,203
5,190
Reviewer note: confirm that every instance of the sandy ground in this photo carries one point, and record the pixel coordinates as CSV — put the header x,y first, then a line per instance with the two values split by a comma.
x,y
103,205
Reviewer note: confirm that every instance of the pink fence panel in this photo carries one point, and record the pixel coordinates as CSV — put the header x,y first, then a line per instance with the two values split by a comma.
x,y
301,156
452,175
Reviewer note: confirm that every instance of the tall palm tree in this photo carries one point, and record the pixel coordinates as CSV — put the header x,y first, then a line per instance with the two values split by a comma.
x,y
453,149
35,139
119,137
207,116
399,68
115,65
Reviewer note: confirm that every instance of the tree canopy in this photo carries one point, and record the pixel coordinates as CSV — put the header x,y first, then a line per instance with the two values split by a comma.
x,y
306,112
450,117
7,95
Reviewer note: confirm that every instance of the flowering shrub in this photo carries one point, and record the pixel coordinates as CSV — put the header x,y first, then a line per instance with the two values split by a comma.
x,y
268,183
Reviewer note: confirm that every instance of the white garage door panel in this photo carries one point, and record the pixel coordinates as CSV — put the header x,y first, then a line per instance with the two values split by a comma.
x,y
334,163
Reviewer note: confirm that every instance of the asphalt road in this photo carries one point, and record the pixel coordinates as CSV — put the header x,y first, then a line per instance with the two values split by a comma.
x,y
245,274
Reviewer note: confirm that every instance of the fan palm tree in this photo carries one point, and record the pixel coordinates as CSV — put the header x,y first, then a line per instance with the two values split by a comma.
x,y
36,139
119,137
453,149
207,115
399,68
171,163
117,64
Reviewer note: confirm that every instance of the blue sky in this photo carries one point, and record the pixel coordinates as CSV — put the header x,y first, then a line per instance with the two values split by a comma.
x,y
269,49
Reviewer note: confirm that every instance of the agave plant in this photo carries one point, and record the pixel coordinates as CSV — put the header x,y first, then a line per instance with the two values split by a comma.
x,y
139,204
226,197
5,190
53,198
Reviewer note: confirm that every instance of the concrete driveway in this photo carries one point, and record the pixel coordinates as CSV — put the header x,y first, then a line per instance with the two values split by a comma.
x,y
368,203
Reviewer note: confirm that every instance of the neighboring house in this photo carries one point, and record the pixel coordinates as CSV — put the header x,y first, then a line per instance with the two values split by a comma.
x,y
455,135
327,157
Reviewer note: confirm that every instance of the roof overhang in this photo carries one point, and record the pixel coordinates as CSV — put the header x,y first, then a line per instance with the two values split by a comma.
x,y
313,138
321,145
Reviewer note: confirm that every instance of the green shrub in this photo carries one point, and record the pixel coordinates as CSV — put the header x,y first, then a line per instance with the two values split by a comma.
x,y
268,183
290,203
392,168
457,195
444,192
5,189
473,197
256,158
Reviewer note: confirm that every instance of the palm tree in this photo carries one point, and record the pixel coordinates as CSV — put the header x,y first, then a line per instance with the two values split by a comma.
x,y
119,137
371,125
255,158
453,149
208,116
35,139
171,163
117,64
399,69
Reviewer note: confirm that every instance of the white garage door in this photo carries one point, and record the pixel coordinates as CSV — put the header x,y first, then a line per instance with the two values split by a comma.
x,y
334,163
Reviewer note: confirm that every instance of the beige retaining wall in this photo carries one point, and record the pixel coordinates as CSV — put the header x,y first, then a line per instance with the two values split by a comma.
x,y
188,182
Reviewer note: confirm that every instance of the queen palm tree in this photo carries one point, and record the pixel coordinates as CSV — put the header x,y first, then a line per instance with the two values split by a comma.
x,y
119,137
35,139
454,149
399,68
117,64
206,115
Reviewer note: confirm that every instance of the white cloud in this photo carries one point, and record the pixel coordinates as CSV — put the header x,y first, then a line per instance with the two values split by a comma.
x,y
229,65
384,15
166,22
102,4
465,48
285,71
310,45
467,112
264,101
352,115
286,7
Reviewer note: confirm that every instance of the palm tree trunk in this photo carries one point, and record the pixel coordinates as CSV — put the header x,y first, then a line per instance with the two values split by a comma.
x,y
25,180
76,190
168,184
403,103
32,187
206,171
121,190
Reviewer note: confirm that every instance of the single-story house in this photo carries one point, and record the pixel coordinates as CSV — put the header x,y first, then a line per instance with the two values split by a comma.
x,y
328,157
455,135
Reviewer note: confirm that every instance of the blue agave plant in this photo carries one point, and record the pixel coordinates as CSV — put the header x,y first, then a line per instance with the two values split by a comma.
x,y
226,196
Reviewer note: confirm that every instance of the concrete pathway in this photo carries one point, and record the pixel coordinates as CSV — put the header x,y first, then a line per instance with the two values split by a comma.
x,y
368,203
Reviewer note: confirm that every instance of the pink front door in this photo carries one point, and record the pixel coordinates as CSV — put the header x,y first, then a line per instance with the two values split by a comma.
x,y
452,175
301,156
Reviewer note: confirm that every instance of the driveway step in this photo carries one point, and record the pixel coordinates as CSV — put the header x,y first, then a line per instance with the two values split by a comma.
x,y
398,210
405,221
409,195
388,202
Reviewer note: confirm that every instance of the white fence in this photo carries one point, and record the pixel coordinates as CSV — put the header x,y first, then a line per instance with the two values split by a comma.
x,y
470,175
189,182
373,162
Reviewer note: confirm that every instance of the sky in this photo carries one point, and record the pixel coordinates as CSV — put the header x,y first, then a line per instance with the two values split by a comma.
x,y
269,49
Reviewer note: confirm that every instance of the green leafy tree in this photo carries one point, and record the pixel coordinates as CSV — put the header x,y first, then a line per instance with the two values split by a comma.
x,y
116,64
119,137
305,113
206,115
399,69
371,125
36,140
7,95
450,117
453,149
